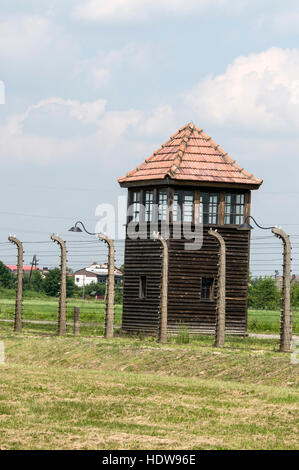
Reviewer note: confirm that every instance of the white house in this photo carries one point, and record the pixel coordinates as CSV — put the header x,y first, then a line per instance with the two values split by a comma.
x,y
95,273
84,278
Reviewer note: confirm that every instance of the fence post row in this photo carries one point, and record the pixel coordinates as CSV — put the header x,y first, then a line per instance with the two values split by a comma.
x,y
162,336
286,315
62,294
19,290
221,302
109,318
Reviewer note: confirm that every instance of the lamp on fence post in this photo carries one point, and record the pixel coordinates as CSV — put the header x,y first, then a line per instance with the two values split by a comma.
x,y
109,318
247,226
286,315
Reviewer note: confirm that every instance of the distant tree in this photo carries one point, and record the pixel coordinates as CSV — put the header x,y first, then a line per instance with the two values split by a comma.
x,y
295,295
7,278
51,283
37,281
95,288
263,294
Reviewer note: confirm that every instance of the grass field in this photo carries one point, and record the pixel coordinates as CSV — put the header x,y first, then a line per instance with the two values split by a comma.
x,y
259,321
88,393
47,310
133,393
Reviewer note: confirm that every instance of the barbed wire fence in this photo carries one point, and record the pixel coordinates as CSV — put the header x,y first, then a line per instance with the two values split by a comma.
x,y
265,259
40,312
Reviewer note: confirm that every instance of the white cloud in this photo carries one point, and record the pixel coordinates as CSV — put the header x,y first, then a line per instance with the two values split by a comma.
x,y
132,10
101,69
87,113
23,36
162,122
259,91
113,131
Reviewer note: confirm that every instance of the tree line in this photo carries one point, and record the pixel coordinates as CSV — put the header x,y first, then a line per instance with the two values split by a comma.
x,y
49,284
263,293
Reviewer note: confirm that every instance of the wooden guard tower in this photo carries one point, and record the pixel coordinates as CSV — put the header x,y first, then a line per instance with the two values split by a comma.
x,y
199,183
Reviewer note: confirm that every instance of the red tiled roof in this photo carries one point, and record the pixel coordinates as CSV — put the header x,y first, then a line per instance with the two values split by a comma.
x,y
13,267
191,155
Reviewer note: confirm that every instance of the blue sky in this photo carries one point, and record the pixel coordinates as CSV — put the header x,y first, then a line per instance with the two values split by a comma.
x,y
92,88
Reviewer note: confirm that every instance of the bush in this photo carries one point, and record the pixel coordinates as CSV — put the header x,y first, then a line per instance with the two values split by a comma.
x,y
263,294
295,295
51,283
7,278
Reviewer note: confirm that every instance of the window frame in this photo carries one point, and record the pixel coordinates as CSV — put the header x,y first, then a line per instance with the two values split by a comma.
x,y
211,288
151,202
180,203
136,204
163,207
235,217
210,214
142,287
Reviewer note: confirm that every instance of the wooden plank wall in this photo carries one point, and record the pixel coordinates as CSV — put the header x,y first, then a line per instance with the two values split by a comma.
x,y
142,258
186,268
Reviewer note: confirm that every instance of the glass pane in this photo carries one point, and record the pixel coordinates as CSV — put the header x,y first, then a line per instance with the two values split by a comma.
x,y
175,210
148,205
162,210
136,205
207,288
234,209
188,206
209,203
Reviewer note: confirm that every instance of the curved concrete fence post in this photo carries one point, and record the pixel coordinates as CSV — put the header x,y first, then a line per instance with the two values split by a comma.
x,y
19,290
62,294
109,319
221,303
162,337
286,315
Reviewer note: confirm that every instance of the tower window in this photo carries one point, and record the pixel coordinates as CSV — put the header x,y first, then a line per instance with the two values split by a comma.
x,y
234,209
149,201
207,288
209,203
163,207
183,204
142,287
136,205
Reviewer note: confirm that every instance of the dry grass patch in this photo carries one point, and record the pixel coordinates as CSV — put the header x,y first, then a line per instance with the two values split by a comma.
x,y
70,393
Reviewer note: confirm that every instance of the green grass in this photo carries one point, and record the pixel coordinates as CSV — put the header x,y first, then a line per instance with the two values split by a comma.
x,y
268,321
40,309
126,393
93,311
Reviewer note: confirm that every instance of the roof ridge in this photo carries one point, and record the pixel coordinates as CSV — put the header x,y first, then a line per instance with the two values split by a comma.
x,y
227,157
182,149
172,160
147,160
